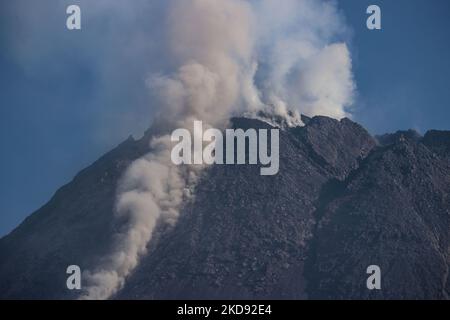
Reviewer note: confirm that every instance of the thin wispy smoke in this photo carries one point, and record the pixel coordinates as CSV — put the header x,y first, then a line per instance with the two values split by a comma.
x,y
227,57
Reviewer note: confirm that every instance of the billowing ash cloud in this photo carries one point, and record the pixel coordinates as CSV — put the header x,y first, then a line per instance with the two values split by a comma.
x,y
303,65
225,57
210,41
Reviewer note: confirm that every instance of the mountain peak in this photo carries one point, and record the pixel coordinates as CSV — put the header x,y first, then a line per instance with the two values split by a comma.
x,y
340,202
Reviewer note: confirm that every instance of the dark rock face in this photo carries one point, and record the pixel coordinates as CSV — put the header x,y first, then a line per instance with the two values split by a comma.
x,y
341,201
394,211
74,227
246,235
392,138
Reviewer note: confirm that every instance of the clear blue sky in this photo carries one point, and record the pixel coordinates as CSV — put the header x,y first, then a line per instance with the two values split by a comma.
x,y
56,116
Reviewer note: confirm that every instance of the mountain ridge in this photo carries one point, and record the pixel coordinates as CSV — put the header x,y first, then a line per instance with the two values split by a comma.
x,y
308,232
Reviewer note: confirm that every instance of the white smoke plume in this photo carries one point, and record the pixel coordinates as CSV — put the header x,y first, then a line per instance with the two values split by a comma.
x,y
303,65
205,87
228,57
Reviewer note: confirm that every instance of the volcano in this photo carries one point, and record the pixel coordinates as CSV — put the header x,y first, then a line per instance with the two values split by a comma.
x,y
341,201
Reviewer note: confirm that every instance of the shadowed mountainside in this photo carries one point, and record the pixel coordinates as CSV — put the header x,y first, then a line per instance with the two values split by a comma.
x,y
341,201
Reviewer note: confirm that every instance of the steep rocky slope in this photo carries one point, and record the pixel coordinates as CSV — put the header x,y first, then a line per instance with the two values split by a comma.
x,y
341,201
